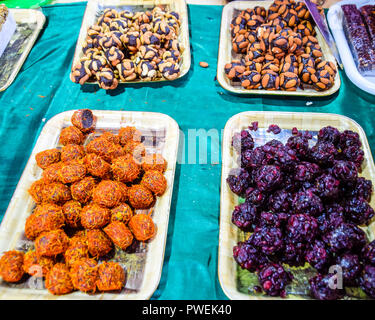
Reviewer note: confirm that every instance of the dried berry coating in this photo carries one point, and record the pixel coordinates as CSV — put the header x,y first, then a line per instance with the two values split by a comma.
x,y
358,211
242,141
293,253
268,177
306,171
249,257
368,253
274,279
345,237
327,186
98,243
306,202
329,134
362,188
302,228
142,227
238,181
320,288
351,268
269,240
245,216
84,274
119,233
111,276
11,266
318,255
345,171
299,144
323,153
367,280
58,280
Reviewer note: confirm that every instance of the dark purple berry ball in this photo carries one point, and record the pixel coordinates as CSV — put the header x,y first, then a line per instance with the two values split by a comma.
x,y
351,268
330,219
285,158
249,257
354,154
361,188
268,177
274,279
255,196
245,216
307,202
302,228
300,145
293,253
345,237
273,219
323,153
255,158
358,211
329,134
345,171
318,255
306,171
322,288
327,186
280,201
368,253
242,141
268,240
349,138
274,128
238,181
367,280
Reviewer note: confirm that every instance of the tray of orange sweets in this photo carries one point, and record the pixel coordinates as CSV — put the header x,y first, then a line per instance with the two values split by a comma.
x,y
89,216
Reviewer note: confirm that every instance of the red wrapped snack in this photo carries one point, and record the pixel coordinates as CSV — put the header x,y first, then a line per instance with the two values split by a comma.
x,y
125,169
120,234
56,192
72,172
154,161
129,134
155,181
108,193
11,263
75,252
37,266
84,120
46,217
96,166
72,152
122,213
142,227
84,274
82,190
58,280
98,243
47,157
140,197
111,276
94,216
71,135
51,243
72,212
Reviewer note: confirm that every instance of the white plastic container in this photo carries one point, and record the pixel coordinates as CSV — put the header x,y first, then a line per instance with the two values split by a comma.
x,y
7,31
335,17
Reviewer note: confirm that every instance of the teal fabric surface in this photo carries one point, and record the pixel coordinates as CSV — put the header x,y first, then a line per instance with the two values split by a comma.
x,y
43,89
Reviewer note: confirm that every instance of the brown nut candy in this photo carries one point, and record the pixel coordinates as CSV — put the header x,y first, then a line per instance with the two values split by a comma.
x,y
234,70
106,79
270,81
126,70
250,80
289,81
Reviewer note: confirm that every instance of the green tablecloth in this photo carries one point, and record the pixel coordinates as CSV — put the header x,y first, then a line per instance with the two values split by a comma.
x,y
43,89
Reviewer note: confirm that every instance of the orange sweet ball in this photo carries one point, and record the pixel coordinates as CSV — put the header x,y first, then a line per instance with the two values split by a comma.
x,y
11,263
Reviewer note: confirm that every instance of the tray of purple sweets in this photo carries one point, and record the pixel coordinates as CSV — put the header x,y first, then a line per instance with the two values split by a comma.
x,y
296,212
353,26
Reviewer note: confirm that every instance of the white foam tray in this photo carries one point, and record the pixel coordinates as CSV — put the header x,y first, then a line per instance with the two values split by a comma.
x,y
335,17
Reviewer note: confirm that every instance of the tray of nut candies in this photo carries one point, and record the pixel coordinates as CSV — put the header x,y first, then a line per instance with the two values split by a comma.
x,y
274,48
132,41
89,216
